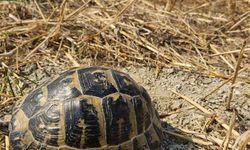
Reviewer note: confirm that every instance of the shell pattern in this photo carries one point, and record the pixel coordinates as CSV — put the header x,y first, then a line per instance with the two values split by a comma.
x,y
87,108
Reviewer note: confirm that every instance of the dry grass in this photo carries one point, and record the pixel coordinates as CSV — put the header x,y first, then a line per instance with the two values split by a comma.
x,y
205,36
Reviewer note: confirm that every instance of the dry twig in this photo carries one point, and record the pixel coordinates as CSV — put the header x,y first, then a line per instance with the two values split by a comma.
x,y
190,139
228,136
242,141
217,118
237,67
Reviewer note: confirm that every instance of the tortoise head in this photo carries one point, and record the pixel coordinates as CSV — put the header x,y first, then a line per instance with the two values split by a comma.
x,y
4,127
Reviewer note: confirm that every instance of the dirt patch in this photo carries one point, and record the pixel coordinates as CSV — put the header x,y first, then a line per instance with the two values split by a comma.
x,y
181,115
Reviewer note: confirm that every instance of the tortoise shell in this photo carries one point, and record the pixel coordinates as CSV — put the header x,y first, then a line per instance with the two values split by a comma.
x,y
86,108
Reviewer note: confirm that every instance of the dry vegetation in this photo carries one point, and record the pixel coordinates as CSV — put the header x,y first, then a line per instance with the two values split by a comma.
x,y
205,36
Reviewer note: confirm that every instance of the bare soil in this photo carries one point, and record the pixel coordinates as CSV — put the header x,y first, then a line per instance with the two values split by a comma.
x,y
181,116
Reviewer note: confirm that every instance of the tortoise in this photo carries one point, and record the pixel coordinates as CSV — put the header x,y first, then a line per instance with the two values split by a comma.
x,y
94,108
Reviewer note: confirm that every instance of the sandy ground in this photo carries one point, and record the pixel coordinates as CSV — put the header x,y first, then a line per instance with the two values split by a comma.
x,y
181,115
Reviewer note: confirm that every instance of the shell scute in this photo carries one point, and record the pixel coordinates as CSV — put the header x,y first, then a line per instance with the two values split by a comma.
x,y
62,88
118,123
142,114
95,82
32,103
81,124
125,84
140,143
45,125
152,138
